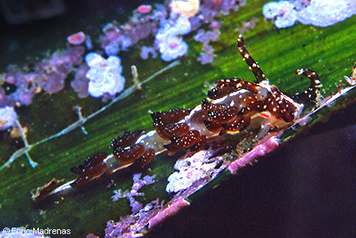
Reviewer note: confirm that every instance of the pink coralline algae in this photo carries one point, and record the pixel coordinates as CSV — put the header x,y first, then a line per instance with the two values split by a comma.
x,y
146,51
76,38
167,25
205,37
128,226
137,185
144,9
258,151
170,211
118,38
152,215
47,75
24,88
80,83
140,26
53,71
52,75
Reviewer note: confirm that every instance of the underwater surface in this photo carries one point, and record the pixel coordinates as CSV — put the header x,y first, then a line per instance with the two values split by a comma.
x,y
68,89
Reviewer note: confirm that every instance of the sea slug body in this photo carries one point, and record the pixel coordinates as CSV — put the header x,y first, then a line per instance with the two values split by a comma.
x,y
232,106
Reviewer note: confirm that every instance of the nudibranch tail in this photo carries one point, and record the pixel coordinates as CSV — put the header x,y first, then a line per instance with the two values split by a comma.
x,y
232,106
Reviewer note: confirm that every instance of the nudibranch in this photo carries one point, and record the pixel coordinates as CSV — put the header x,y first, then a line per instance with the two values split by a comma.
x,y
232,106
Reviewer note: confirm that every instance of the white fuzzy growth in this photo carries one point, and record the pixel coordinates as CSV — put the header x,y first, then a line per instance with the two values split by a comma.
x,y
8,117
172,47
185,8
104,75
321,13
271,10
190,170
169,40
327,12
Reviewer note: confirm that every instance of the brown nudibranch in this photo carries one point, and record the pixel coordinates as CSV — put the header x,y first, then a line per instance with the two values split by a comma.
x,y
232,106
